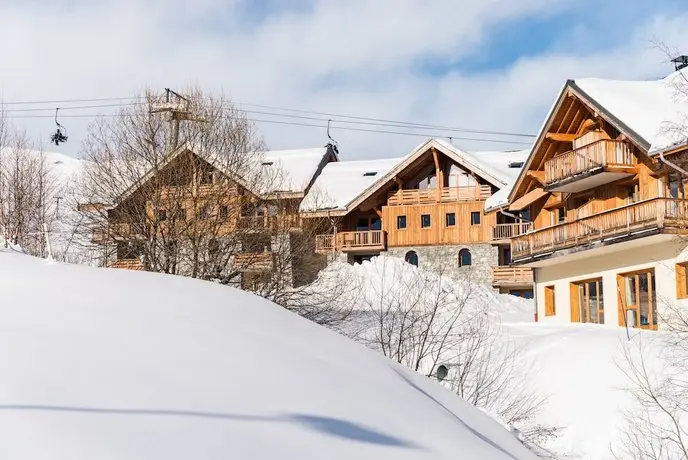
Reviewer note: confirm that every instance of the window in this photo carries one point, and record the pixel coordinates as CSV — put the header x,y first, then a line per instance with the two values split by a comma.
x,y
475,218
358,259
451,219
204,212
550,309
675,186
588,302
638,299
632,193
561,215
525,214
425,220
682,280
464,257
370,174
207,177
401,222
412,258
224,212
375,223
362,224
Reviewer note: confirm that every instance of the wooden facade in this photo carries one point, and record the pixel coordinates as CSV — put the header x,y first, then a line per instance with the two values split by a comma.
x,y
433,200
586,181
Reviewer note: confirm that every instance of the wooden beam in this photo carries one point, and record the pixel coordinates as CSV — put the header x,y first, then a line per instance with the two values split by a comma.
x,y
566,114
400,184
587,125
528,199
554,201
537,175
438,174
378,212
560,137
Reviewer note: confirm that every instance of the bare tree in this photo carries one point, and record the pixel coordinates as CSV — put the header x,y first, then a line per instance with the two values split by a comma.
x,y
425,320
657,371
27,188
180,185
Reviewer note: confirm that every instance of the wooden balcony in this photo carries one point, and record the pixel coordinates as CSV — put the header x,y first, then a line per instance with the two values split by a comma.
x,y
433,195
169,192
590,166
254,261
127,264
659,214
284,222
512,276
508,231
368,240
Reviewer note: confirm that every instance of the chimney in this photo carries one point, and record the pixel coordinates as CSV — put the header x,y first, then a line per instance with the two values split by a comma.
x,y
680,62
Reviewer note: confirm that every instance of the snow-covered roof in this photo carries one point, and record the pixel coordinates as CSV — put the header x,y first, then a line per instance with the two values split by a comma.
x,y
170,367
507,164
651,109
340,182
294,168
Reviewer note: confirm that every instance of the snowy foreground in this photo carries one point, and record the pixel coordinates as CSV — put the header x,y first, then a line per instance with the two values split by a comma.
x,y
109,364
576,368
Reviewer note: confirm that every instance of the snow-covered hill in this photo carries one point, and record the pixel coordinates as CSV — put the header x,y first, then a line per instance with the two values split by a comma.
x,y
108,364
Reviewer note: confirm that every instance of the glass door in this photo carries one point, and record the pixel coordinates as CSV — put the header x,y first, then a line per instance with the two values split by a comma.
x,y
639,296
590,301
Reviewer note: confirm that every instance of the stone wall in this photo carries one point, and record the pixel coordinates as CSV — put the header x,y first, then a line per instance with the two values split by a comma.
x,y
445,259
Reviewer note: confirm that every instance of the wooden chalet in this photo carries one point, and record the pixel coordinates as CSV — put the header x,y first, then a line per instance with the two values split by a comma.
x,y
428,207
189,197
603,195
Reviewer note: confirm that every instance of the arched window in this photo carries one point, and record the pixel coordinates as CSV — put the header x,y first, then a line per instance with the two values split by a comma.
x,y
412,258
464,257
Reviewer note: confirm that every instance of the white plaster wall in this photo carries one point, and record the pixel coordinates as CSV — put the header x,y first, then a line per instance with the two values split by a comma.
x,y
661,256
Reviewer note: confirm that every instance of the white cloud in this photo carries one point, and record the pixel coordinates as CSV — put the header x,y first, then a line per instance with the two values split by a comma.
x,y
354,57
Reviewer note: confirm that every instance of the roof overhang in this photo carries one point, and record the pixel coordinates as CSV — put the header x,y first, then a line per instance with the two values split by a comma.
x,y
454,154
571,89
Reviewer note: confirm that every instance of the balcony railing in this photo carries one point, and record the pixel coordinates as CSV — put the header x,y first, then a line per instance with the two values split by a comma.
x,y
351,241
656,213
508,231
127,264
445,195
203,190
254,261
599,154
512,276
281,222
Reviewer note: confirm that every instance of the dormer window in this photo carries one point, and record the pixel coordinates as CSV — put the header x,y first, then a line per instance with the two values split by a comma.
x,y
515,164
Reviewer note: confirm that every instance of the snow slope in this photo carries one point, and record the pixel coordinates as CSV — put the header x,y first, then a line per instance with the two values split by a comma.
x,y
578,367
109,364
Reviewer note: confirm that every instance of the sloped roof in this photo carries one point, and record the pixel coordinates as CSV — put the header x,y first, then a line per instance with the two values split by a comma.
x,y
340,182
342,186
649,112
500,161
474,163
290,171
295,168
650,109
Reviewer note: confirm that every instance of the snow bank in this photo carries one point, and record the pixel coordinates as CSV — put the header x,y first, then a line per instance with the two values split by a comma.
x,y
100,363
579,369
394,275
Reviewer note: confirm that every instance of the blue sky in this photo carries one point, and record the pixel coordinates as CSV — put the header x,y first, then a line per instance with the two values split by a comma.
x,y
477,64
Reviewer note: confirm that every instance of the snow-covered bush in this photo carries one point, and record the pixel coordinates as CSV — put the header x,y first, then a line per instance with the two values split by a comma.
x,y
425,320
